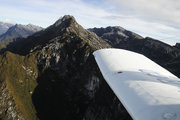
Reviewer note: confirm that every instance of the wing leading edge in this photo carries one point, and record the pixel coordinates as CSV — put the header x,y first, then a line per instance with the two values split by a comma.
x,y
147,91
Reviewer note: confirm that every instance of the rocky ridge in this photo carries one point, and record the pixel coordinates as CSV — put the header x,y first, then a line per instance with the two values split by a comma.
x,y
16,32
177,45
162,53
21,31
57,69
114,35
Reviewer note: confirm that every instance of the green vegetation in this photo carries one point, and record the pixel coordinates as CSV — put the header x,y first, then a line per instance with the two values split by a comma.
x,y
3,44
14,69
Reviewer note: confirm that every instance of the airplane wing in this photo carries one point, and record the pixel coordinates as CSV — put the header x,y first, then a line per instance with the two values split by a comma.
x,y
147,91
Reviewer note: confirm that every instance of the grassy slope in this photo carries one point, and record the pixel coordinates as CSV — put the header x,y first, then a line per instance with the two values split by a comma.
x,y
19,83
3,44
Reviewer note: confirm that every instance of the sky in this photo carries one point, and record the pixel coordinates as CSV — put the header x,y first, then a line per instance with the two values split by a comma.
x,y
158,19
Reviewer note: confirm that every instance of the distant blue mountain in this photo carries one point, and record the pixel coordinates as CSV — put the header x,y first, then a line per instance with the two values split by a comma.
x,y
5,25
21,31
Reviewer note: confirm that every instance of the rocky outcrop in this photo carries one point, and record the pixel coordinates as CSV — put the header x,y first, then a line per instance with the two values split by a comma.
x,y
106,106
114,35
177,45
8,106
69,78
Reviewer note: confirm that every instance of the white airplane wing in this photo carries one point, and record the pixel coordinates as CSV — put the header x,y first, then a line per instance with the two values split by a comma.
x,y
147,91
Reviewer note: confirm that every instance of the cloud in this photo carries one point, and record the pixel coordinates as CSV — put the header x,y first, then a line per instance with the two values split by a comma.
x,y
50,11
161,11
141,26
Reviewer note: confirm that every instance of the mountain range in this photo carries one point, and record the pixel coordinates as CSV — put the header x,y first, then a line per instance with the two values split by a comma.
x,y
52,74
17,31
5,25
165,55
21,31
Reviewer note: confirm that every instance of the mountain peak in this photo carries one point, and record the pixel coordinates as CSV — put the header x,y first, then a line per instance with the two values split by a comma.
x,y
9,21
65,19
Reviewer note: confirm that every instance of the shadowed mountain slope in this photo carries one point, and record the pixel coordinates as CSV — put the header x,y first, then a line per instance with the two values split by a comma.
x,y
55,76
